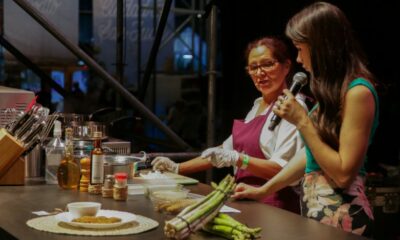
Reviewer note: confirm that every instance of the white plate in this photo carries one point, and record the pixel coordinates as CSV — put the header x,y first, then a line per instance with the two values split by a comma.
x,y
126,217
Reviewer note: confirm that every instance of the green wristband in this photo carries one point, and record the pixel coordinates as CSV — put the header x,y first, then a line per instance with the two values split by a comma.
x,y
245,161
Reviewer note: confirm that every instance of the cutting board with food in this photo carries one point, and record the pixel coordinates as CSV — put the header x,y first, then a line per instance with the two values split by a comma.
x,y
148,175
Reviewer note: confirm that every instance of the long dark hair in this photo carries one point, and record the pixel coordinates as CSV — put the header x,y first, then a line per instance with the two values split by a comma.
x,y
336,59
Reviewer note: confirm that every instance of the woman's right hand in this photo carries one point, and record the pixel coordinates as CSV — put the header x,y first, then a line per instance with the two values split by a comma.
x,y
165,164
243,190
289,109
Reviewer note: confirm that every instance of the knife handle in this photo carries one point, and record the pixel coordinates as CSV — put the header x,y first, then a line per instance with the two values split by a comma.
x,y
27,139
19,123
29,147
26,126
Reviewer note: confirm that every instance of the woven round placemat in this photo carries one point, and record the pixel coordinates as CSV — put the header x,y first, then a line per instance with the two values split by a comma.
x,y
50,224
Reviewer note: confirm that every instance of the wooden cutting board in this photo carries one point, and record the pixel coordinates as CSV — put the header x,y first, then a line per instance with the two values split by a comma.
x,y
172,176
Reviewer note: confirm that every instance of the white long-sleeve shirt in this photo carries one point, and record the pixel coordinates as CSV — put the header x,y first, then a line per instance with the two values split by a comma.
x,y
279,145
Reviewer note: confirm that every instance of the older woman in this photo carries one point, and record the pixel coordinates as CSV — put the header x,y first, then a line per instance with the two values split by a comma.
x,y
256,152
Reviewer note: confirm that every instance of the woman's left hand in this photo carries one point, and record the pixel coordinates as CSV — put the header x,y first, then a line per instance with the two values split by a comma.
x,y
289,109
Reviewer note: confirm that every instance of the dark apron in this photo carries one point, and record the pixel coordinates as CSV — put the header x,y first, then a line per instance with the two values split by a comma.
x,y
246,139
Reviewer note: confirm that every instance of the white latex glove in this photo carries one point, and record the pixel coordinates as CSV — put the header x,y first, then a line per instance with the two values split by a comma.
x,y
221,157
209,152
165,164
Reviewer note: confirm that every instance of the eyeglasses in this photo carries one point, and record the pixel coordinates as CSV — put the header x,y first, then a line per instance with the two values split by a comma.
x,y
264,66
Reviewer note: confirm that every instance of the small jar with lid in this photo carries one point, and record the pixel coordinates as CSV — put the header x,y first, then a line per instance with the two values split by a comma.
x,y
120,190
107,190
94,189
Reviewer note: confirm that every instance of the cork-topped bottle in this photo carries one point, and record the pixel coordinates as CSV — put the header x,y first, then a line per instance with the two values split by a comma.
x,y
68,173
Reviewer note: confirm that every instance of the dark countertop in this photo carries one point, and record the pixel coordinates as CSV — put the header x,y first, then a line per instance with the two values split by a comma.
x,y
18,202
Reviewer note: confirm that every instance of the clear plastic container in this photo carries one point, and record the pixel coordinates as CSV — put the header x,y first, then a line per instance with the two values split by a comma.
x,y
164,196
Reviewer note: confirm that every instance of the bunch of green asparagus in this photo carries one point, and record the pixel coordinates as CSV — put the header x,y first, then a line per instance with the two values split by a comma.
x,y
225,226
196,216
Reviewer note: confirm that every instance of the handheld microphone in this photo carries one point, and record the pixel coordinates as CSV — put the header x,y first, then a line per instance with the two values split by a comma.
x,y
299,80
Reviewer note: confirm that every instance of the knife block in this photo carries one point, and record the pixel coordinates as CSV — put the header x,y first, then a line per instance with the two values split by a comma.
x,y
12,167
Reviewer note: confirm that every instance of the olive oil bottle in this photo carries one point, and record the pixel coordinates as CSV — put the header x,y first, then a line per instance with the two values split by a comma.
x,y
68,173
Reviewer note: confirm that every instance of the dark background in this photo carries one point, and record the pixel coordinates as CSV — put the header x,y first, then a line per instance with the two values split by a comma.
x,y
375,24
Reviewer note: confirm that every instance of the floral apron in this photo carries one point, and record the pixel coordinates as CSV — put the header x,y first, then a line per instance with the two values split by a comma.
x,y
347,209
246,137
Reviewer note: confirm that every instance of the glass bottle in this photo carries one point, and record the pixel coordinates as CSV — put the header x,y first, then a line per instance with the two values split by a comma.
x,y
97,162
68,173
54,154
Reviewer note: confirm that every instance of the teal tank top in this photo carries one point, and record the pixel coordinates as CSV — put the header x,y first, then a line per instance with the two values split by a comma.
x,y
311,164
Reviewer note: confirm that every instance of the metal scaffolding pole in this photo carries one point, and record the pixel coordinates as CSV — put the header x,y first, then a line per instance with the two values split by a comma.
x,y
28,63
176,32
155,47
139,45
193,26
120,48
201,30
101,72
212,75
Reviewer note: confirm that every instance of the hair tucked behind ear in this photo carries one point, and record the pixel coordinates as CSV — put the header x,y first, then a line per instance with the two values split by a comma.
x,y
336,59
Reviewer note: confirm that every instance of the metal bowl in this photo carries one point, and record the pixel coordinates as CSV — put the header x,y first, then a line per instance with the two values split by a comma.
x,y
121,163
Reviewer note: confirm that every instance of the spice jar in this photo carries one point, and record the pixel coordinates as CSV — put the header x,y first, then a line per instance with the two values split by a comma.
x,y
107,190
120,186
94,189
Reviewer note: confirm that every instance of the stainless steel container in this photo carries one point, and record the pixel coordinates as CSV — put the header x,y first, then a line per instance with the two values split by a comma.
x,y
34,163
121,163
